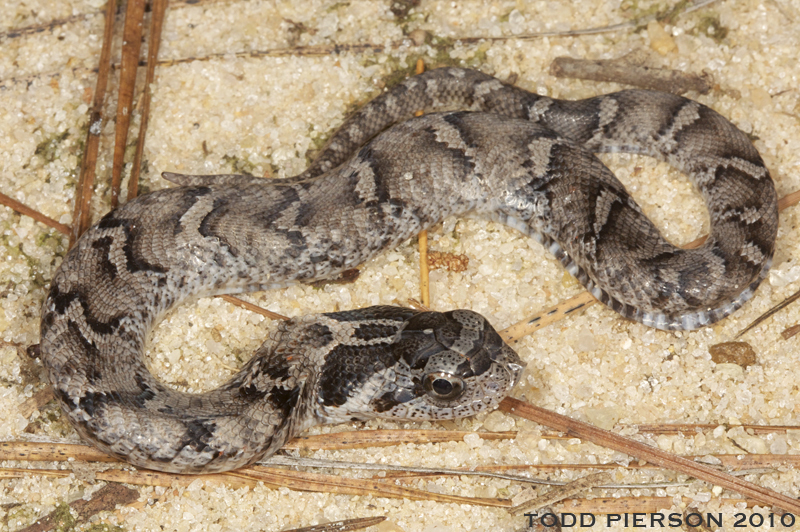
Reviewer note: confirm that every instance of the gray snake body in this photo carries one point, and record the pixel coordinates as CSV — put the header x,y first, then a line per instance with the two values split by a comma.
x,y
520,158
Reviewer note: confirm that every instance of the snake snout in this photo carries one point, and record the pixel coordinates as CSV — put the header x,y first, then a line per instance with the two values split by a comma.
x,y
456,365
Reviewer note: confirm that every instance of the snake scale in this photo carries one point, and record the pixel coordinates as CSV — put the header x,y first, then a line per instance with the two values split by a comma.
x,y
487,147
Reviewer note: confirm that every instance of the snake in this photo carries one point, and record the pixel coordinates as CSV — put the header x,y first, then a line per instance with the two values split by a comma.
x,y
484,147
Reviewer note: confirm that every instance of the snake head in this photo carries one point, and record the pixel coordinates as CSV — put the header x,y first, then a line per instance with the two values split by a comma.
x,y
448,365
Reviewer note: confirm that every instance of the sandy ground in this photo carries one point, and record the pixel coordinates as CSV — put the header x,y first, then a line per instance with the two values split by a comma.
x,y
243,92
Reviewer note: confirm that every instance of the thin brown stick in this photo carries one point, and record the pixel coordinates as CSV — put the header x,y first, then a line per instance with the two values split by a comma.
x,y
305,481
33,29
424,278
51,25
253,308
356,48
343,526
519,330
143,477
629,71
51,452
769,313
413,303
105,499
58,452
559,493
793,198
382,438
750,461
82,215
608,439
738,462
692,428
790,331
36,215
131,47
156,24
61,452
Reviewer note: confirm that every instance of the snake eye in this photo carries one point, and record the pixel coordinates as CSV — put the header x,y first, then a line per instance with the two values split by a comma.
x,y
443,386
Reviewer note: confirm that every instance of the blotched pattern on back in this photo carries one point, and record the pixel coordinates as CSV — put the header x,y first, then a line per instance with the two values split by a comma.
x,y
521,158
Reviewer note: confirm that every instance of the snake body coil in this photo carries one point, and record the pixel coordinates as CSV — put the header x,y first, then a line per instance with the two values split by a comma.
x,y
520,158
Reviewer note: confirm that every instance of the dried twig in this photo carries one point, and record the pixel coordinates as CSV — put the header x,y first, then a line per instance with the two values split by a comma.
x,y
131,46
296,480
34,451
143,477
519,330
47,26
562,492
768,314
626,70
36,215
693,428
82,216
154,43
253,308
56,452
343,526
305,481
357,48
424,278
406,473
51,452
105,499
639,450
790,331
789,200
382,438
